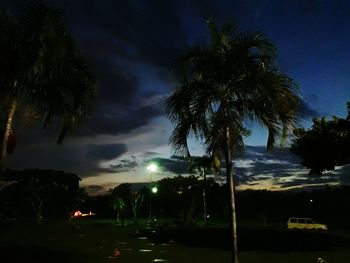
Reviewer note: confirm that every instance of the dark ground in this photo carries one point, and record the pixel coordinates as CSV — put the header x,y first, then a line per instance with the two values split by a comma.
x,y
274,240
96,241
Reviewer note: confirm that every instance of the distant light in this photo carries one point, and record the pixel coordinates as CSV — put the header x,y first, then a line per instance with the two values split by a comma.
x,y
116,252
311,200
88,214
152,167
77,213
154,189
208,215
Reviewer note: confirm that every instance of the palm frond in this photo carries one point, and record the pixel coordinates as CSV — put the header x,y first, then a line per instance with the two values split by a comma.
x,y
45,67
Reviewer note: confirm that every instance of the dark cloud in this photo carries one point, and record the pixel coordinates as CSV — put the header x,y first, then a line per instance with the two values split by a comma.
x,y
261,153
283,168
172,165
343,174
51,156
321,180
149,154
114,120
95,190
306,112
105,151
124,166
129,28
117,86
256,163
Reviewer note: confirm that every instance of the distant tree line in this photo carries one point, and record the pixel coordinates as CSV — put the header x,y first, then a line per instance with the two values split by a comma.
x,y
179,201
35,193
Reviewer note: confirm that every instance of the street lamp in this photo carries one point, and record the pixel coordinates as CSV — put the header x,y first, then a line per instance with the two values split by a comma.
x,y
152,167
154,189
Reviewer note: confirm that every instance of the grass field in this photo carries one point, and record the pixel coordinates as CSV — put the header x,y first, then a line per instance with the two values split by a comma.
x,y
96,241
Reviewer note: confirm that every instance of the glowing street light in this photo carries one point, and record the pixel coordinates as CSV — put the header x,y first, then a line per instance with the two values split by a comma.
x,y
152,167
154,189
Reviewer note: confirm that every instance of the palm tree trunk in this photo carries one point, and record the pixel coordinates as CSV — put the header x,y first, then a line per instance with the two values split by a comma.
x,y
205,198
7,129
39,213
134,212
230,182
117,217
37,208
190,211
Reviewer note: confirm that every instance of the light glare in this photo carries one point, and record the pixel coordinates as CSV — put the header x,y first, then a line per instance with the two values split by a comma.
x,y
154,189
152,167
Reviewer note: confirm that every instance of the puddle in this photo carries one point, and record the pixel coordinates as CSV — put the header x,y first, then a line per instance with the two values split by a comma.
x,y
145,250
159,260
112,257
142,238
121,242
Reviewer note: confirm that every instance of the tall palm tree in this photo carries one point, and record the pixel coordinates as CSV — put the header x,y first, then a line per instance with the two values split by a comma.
x,y
41,65
222,85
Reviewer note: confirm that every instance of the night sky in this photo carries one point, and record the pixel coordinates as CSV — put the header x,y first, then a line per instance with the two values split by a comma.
x,y
131,45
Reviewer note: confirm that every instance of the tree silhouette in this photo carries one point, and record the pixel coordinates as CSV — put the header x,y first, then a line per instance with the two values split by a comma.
x,y
41,65
325,145
118,206
40,187
136,200
180,196
204,165
121,196
222,85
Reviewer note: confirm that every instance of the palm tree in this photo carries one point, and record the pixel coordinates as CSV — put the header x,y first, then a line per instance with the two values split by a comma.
x,y
222,85
118,206
204,165
41,65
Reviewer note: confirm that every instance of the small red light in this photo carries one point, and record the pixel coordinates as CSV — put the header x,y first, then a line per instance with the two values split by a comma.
x,y
116,252
77,213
